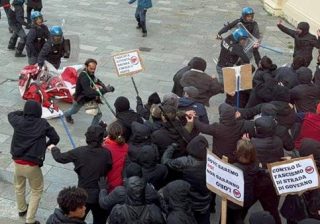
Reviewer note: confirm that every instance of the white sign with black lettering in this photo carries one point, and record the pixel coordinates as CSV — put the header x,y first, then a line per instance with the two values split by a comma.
x,y
224,179
294,176
128,63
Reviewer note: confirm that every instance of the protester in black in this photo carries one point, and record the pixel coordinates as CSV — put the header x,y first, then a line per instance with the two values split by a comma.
x,y
306,95
177,196
126,116
193,169
72,207
304,42
135,209
144,110
91,162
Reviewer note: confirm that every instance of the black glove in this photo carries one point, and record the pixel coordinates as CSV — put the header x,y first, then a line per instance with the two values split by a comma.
x,y
110,88
102,183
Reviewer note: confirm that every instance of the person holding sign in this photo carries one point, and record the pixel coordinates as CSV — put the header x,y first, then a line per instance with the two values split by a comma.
x,y
88,91
247,162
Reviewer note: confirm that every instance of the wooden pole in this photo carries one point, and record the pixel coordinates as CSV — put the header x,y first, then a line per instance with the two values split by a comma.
x,y
224,201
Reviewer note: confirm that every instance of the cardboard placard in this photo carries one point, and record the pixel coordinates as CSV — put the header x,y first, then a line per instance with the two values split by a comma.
x,y
224,179
128,63
230,75
294,176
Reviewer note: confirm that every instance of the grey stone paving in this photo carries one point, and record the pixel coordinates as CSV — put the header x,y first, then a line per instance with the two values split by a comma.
x,y
177,31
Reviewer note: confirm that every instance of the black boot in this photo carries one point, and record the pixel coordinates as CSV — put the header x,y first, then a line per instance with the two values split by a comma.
x,y
19,50
12,43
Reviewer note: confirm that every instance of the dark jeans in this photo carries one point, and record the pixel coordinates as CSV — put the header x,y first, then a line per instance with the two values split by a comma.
x,y
236,216
141,15
100,215
29,9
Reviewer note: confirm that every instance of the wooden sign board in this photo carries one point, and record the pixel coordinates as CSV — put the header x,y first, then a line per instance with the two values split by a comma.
x,y
294,176
230,78
128,63
224,179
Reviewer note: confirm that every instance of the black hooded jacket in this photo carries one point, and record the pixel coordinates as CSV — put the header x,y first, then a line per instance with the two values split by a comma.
x,y
177,196
141,135
306,95
227,132
126,118
135,209
154,173
193,169
90,162
304,42
287,76
268,146
58,217
30,132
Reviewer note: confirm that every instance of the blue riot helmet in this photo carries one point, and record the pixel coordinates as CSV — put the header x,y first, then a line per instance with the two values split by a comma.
x,y
239,34
56,34
36,17
247,14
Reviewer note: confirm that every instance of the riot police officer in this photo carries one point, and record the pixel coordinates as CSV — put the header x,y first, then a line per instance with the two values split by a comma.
x,y
16,21
37,37
55,48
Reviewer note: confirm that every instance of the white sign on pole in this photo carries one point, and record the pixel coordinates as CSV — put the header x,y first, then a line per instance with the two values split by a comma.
x,y
224,179
294,176
128,63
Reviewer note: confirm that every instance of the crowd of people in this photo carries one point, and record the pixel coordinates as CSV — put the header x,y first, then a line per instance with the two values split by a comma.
x,y
149,165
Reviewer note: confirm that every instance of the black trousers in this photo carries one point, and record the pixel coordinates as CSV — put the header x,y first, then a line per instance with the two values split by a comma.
x,y
100,215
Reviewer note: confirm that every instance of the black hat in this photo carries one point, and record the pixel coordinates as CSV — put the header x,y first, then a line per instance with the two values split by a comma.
x,y
122,104
262,217
154,99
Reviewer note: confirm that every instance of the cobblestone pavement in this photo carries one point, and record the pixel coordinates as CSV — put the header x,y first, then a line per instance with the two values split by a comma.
x,y
177,31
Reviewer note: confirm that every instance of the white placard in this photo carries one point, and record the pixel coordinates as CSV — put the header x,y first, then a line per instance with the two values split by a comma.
x,y
294,176
128,63
224,179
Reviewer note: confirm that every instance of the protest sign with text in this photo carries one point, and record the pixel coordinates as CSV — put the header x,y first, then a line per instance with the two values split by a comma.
x,y
128,63
294,176
224,179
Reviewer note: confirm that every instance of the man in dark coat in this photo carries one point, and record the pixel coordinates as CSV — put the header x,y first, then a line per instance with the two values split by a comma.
x,y
135,209
177,88
118,195
126,116
88,88
153,172
28,150
172,131
306,95
206,85
177,196
227,132
90,163
269,149
304,42
16,21
141,135
72,209
193,169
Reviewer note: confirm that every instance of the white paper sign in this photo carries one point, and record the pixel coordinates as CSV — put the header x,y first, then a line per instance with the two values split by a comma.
x,y
128,63
294,176
224,179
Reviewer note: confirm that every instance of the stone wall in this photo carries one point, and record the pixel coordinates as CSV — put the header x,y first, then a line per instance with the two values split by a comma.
x,y
295,11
